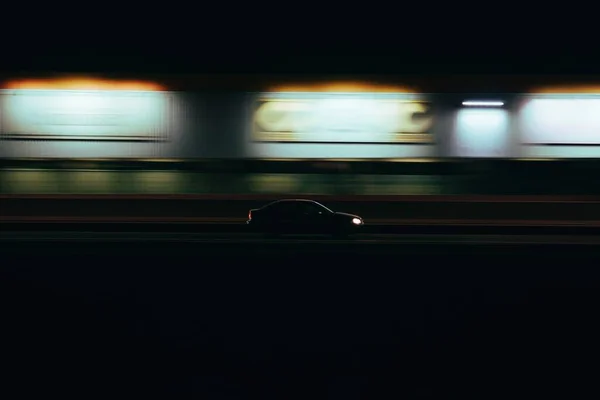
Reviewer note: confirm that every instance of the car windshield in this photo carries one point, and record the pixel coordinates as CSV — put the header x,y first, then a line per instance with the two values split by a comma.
x,y
321,206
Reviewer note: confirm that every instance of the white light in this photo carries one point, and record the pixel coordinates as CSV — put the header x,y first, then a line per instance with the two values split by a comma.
x,y
90,114
356,221
482,132
482,103
351,118
560,121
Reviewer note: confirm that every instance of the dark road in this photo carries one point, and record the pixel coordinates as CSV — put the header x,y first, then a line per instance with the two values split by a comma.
x,y
230,316
376,241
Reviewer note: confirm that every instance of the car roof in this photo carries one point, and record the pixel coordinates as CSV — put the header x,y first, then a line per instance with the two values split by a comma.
x,y
291,201
305,200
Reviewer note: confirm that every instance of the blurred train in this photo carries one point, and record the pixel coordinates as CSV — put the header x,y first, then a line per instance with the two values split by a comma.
x,y
65,118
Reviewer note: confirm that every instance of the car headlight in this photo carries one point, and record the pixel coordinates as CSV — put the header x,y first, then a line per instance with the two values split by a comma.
x,y
356,221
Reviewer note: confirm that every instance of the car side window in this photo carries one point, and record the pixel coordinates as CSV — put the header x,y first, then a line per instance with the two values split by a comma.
x,y
275,208
284,209
296,209
310,209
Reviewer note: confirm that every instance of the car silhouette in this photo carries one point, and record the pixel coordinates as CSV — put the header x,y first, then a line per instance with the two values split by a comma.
x,y
296,216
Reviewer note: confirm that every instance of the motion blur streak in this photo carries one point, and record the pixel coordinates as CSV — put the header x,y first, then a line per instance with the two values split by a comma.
x,y
81,83
570,89
342,87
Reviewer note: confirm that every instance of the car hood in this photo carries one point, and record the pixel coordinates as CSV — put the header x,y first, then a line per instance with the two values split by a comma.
x,y
346,215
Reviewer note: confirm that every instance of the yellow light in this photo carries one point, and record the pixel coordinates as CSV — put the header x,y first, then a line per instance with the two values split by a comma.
x,y
75,83
350,87
567,89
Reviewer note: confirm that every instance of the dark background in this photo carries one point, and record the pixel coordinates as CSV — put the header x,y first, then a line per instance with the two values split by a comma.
x,y
418,38
185,321
273,320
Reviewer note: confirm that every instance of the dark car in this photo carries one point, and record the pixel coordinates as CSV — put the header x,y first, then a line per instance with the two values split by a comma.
x,y
302,216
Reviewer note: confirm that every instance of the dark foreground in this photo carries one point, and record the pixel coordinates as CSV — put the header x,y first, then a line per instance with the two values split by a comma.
x,y
298,320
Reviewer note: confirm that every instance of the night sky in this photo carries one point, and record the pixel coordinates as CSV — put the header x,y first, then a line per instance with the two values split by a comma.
x,y
255,40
